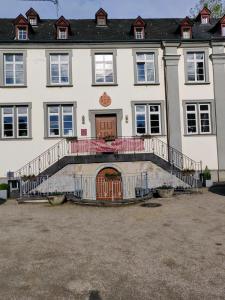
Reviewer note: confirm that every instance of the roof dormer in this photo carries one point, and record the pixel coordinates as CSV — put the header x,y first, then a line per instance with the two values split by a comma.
x,y
32,17
21,28
222,26
186,29
139,28
101,17
62,28
204,16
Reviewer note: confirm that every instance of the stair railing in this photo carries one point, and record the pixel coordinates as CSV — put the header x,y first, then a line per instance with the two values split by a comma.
x,y
45,160
150,145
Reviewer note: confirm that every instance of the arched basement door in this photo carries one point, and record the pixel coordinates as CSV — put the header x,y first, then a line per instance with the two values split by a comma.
x,y
109,185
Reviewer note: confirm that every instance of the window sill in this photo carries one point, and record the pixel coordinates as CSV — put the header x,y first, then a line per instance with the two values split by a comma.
x,y
16,139
198,135
13,86
59,137
197,83
146,84
104,84
59,85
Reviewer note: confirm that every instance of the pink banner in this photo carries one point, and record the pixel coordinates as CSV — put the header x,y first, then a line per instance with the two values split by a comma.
x,y
101,146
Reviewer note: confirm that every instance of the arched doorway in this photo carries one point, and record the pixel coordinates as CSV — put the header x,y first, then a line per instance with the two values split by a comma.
x,y
109,185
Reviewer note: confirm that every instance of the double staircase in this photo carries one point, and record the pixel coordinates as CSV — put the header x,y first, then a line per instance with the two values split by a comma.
x,y
124,149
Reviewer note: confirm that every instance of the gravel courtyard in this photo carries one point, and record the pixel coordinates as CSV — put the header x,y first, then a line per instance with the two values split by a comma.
x,y
176,251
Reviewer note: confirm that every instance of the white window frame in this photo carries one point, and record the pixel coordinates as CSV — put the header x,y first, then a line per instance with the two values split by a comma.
x,y
33,21
145,61
104,62
141,113
147,114
139,33
59,64
186,33
155,113
49,121
223,30
197,112
204,19
196,117
62,33
195,61
22,33
14,63
17,121
199,116
60,115
13,122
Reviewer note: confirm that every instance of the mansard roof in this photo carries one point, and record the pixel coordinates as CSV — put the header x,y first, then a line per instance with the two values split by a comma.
x,y
118,30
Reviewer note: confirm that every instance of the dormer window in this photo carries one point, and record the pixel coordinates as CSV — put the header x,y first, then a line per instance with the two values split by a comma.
x,y
32,17
62,33
101,17
139,29
204,16
223,30
186,33
22,33
186,29
139,33
222,26
204,19
33,21
62,28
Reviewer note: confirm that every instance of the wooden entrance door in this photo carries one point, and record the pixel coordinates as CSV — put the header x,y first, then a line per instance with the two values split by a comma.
x,y
109,185
106,126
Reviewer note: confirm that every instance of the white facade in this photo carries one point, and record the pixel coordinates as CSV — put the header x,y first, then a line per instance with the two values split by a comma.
x,y
17,152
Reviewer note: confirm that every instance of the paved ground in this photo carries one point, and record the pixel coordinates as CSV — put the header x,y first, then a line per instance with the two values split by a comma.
x,y
176,251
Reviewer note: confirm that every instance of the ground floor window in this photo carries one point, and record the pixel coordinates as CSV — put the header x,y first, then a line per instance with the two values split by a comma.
x,y
198,118
60,120
15,121
148,119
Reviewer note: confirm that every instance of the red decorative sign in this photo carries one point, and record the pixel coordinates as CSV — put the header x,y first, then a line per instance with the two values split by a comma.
x,y
100,146
83,132
105,100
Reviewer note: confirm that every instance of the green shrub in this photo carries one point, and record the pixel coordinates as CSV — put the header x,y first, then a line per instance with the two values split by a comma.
x,y
4,186
206,174
165,187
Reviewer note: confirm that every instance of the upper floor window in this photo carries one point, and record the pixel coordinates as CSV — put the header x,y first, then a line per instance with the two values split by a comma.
x,y
104,72
15,121
196,66
198,118
33,21
60,120
145,64
139,33
13,69
148,119
223,30
59,69
186,33
62,33
22,33
205,19
101,21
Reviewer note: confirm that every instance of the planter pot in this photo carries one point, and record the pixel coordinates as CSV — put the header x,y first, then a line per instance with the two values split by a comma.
x,y
3,194
165,193
208,183
56,200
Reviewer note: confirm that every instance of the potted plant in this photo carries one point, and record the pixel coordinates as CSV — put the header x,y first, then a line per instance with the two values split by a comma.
x,y
28,178
165,191
3,191
56,198
109,138
188,172
112,176
207,178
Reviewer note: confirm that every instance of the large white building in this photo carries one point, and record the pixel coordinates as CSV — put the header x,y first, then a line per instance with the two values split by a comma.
x,y
92,85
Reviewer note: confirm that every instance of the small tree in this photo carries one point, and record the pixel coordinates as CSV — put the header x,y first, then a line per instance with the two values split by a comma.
x,y
217,7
